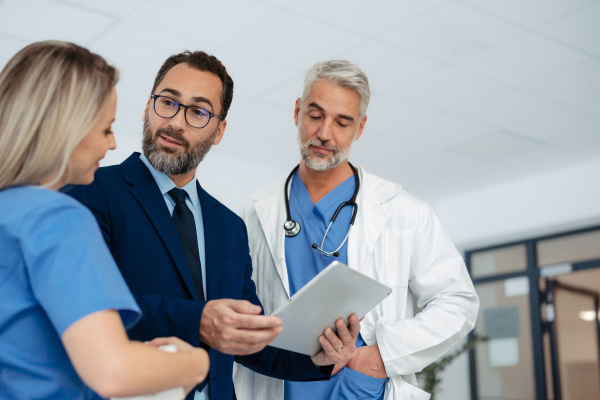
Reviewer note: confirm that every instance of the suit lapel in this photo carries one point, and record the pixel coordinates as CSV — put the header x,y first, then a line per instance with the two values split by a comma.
x,y
213,243
148,195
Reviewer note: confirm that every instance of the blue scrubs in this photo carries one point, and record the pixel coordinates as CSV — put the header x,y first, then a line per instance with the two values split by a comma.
x,y
55,269
304,262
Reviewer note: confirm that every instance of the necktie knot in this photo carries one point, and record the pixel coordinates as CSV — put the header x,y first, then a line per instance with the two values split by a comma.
x,y
178,195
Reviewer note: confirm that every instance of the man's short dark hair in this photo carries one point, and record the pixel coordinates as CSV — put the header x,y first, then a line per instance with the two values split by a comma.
x,y
202,62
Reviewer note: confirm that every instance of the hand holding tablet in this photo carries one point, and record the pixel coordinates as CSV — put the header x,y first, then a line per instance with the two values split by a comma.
x,y
336,292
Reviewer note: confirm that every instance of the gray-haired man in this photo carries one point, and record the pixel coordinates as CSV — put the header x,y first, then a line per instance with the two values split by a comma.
x,y
380,230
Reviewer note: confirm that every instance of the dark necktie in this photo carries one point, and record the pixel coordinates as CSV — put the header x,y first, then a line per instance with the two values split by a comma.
x,y
186,228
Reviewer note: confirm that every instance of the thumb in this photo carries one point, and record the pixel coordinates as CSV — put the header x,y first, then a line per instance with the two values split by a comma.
x,y
245,307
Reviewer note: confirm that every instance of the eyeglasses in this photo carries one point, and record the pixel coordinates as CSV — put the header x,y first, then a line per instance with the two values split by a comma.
x,y
196,117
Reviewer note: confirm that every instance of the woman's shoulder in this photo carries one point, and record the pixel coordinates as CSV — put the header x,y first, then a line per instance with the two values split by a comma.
x,y
36,197
30,203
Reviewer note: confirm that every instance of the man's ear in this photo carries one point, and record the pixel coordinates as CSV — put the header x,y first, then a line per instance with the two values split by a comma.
x,y
220,131
361,127
297,110
146,109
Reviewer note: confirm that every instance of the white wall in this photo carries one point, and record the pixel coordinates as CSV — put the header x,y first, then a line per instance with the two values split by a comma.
x,y
551,202
233,181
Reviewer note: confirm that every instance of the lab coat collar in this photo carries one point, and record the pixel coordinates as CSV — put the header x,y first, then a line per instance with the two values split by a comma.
x,y
270,209
373,214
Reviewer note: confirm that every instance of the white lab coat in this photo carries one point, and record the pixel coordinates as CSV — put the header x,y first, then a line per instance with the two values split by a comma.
x,y
397,240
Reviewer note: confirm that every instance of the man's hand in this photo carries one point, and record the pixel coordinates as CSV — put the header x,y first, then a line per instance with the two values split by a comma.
x,y
367,360
338,349
234,327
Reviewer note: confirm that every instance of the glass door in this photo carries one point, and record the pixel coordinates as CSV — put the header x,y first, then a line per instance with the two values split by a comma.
x,y
539,318
572,345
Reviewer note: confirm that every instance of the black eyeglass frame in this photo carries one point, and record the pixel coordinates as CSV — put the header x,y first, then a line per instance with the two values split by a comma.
x,y
179,105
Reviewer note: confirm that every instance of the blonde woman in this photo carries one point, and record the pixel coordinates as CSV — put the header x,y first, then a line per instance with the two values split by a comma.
x,y
64,305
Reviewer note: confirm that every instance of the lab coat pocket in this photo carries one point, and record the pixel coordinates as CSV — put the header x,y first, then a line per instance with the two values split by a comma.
x,y
410,392
397,246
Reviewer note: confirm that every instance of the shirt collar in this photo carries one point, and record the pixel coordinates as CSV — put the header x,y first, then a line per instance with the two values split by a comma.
x,y
165,183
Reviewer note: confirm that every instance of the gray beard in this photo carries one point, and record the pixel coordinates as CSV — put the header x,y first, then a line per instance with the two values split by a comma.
x,y
319,164
163,159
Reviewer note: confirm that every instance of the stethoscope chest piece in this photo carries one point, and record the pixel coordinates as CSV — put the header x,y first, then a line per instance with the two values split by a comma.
x,y
291,228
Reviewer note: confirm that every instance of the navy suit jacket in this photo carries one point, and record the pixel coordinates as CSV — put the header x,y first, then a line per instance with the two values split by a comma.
x,y
142,237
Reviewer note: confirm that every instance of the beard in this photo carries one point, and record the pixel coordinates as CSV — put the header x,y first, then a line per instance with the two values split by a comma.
x,y
322,164
166,160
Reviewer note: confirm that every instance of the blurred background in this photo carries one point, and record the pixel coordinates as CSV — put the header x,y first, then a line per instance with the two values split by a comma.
x,y
489,110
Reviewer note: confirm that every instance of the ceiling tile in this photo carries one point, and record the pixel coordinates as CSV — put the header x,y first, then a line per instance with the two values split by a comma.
x,y
394,117
284,95
9,46
386,65
522,58
133,92
529,13
30,20
578,85
446,89
450,33
261,132
593,107
421,170
253,77
407,120
445,74
506,108
116,8
279,3
142,47
496,146
217,21
393,153
249,124
581,29
443,130
355,15
295,41
536,161
134,87
568,126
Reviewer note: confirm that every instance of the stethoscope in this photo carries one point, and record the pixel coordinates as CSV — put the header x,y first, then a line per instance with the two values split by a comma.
x,y
292,227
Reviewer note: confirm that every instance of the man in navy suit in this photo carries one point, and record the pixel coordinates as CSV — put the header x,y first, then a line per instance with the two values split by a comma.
x,y
200,292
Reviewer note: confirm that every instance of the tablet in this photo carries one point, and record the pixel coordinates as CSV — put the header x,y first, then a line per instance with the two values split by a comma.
x,y
336,292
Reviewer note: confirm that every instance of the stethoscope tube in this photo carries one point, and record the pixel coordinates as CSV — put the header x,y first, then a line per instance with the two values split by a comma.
x,y
292,228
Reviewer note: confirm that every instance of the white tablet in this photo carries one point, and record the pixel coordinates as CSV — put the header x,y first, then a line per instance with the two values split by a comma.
x,y
336,292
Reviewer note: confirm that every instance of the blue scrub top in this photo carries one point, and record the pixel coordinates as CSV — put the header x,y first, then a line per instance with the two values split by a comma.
x,y
303,263
55,269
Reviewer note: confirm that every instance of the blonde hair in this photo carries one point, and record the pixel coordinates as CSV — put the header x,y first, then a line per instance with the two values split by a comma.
x,y
51,95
